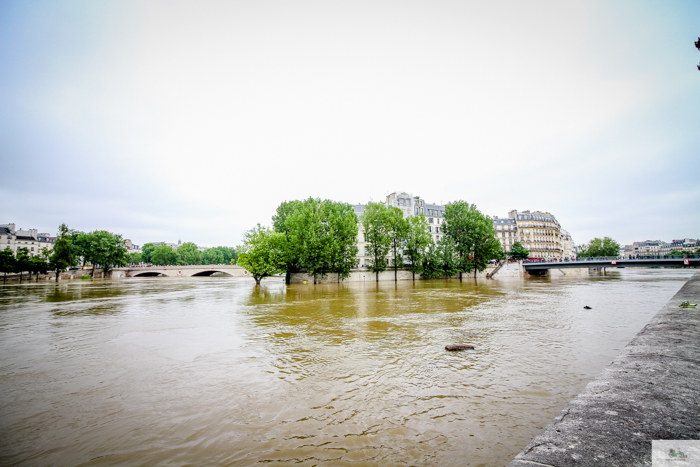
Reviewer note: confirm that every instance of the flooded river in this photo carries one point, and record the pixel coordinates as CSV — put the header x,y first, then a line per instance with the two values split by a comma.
x,y
214,371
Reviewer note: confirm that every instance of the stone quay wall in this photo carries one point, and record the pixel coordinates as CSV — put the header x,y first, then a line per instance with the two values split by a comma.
x,y
651,391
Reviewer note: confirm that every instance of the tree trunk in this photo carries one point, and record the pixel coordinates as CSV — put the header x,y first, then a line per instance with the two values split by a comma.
x,y
257,280
92,273
460,275
57,274
377,275
395,271
288,278
414,275
20,277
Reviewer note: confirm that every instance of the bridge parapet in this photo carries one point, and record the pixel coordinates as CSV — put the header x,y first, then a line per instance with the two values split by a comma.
x,y
180,271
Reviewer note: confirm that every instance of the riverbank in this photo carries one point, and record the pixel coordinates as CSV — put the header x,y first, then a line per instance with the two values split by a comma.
x,y
649,392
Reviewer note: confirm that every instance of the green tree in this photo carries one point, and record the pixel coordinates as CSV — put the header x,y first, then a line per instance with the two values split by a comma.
x,y
189,254
397,232
163,255
147,252
473,236
134,258
308,237
103,250
319,237
62,256
441,260
697,46
375,222
341,223
418,239
80,245
38,265
279,224
213,256
7,263
599,247
519,252
262,253
23,262
219,255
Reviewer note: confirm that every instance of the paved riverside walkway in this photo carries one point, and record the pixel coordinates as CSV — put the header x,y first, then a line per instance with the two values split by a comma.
x,y
651,391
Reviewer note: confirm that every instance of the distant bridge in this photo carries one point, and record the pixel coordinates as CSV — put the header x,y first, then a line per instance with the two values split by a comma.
x,y
180,271
644,262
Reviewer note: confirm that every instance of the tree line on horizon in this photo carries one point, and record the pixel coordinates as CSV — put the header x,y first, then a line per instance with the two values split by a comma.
x,y
186,254
320,237
104,250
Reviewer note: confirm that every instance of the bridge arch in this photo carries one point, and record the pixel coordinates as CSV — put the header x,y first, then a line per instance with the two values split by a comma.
x,y
150,274
210,272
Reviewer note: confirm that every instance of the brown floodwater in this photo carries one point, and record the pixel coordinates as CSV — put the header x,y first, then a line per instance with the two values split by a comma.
x,y
214,371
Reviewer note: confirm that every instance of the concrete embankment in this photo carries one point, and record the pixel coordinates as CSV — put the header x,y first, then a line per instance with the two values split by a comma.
x,y
651,391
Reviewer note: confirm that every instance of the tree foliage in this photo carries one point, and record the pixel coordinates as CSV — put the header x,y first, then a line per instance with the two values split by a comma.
x,y
147,252
102,249
697,46
7,262
397,232
23,261
262,253
163,255
376,224
599,247
62,254
441,260
188,254
213,256
319,237
519,252
134,258
418,239
473,236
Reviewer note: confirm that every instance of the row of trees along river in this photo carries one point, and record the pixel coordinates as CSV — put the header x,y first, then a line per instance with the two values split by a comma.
x,y
105,250
320,237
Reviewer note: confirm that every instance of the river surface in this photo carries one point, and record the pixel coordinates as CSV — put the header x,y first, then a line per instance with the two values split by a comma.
x,y
214,371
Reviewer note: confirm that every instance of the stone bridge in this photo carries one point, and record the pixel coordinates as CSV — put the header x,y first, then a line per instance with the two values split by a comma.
x,y
180,271
646,262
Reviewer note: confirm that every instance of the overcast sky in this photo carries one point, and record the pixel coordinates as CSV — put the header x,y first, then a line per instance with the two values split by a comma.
x,y
167,120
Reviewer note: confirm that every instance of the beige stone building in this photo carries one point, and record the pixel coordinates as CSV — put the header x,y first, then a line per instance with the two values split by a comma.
x,y
538,232
31,239
645,248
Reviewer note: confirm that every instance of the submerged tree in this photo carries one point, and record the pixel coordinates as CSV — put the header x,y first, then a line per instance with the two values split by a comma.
x,y
320,237
418,239
262,253
375,222
441,260
397,232
7,263
473,235
62,256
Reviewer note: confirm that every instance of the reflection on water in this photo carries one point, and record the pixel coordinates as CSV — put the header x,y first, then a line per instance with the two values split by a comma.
x,y
216,371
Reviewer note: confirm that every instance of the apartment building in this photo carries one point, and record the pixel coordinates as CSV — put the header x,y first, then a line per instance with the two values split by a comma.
x,y
36,242
683,244
538,232
647,247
